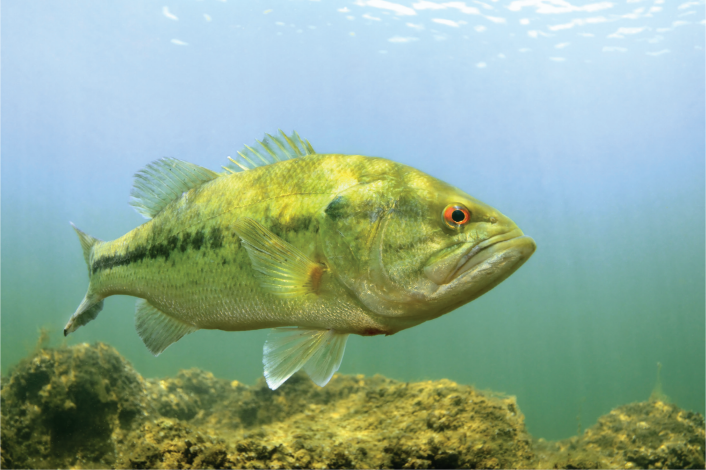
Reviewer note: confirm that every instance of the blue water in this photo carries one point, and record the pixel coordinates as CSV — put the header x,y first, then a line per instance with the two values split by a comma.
x,y
583,122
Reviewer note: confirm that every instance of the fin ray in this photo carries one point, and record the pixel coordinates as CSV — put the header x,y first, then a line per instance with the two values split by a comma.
x,y
280,148
297,152
266,146
163,181
87,244
257,154
279,144
240,165
327,358
157,329
91,305
282,269
289,349
244,157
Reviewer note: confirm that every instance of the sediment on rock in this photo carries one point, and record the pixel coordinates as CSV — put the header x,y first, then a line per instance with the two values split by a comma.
x,y
651,434
66,406
85,406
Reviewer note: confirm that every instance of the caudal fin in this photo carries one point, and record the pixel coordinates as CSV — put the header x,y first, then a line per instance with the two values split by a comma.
x,y
87,244
91,304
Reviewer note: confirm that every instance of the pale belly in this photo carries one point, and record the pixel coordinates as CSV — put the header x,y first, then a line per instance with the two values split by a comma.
x,y
214,301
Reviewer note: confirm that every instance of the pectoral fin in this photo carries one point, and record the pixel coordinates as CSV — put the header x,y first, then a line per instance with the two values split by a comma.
x,y
281,268
289,349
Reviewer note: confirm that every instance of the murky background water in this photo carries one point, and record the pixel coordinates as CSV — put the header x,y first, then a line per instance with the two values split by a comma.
x,y
583,122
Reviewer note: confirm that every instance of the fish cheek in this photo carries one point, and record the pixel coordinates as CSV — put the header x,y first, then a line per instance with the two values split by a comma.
x,y
410,238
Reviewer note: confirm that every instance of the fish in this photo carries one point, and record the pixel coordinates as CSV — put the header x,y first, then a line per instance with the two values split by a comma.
x,y
315,247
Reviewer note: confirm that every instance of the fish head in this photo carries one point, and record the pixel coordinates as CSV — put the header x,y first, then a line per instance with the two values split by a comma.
x,y
413,247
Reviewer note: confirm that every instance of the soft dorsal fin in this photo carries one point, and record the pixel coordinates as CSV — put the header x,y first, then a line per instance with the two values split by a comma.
x,y
163,181
270,150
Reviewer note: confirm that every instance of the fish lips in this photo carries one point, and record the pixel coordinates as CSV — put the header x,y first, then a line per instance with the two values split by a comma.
x,y
496,257
494,264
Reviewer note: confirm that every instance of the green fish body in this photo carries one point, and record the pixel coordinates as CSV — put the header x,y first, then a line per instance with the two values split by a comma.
x,y
316,247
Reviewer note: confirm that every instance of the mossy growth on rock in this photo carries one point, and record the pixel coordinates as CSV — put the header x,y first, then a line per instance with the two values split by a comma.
x,y
650,434
85,407
67,406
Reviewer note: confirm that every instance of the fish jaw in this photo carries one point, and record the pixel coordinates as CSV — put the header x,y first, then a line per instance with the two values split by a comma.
x,y
482,269
453,265
476,254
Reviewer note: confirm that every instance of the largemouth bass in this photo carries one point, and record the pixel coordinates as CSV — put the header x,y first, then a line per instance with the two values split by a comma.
x,y
315,246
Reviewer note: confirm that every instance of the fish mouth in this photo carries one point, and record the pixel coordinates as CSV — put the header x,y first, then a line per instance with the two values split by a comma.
x,y
491,247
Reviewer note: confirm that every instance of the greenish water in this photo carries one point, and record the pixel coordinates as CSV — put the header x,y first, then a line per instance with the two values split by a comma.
x,y
599,157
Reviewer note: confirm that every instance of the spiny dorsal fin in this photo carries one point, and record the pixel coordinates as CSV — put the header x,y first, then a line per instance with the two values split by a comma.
x,y
163,181
270,150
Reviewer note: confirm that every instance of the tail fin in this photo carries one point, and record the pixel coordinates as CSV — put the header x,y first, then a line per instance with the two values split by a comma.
x,y
91,304
87,244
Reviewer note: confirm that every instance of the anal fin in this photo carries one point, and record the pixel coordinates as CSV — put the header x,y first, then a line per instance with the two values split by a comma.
x,y
289,349
157,329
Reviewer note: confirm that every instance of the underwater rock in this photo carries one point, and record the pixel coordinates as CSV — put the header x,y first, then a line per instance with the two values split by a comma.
x,y
650,434
373,422
167,443
353,422
187,395
69,406
85,406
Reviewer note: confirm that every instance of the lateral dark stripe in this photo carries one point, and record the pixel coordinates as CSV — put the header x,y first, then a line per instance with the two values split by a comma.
x,y
188,240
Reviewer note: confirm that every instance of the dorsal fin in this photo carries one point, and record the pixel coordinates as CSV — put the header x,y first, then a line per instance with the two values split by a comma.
x,y
163,181
270,150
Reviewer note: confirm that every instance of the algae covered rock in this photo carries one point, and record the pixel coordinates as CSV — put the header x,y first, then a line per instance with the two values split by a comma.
x,y
65,407
166,443
359,422
186,395
651,434
85,406
353,422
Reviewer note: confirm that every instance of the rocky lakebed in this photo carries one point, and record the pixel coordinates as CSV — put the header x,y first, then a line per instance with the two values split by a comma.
x,y
86,407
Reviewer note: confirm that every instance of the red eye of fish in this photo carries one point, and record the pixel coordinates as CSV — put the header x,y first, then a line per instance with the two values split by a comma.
x,y
456,215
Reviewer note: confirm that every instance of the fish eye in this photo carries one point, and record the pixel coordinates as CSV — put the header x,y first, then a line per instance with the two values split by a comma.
x,y
455,215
